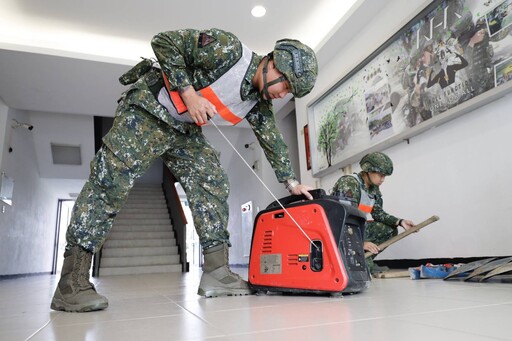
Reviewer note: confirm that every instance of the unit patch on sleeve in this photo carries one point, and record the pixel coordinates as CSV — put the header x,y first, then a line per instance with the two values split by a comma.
x,y
204,40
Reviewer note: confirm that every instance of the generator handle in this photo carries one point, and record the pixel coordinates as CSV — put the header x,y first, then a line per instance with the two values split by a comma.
x,y
315,193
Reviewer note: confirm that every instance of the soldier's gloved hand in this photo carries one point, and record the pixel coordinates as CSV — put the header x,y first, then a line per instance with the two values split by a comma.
x,y
198,107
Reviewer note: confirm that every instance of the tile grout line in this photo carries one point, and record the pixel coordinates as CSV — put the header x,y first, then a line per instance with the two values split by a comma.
x,y
44,326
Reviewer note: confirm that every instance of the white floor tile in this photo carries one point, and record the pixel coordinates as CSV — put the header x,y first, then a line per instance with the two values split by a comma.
x,y
167,307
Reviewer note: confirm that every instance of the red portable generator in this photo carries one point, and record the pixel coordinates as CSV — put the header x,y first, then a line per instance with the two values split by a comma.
x,y
331,261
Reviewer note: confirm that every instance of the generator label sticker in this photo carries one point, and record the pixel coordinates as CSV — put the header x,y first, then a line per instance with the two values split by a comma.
x,y
271,264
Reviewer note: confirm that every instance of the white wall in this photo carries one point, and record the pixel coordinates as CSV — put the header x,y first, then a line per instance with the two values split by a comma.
x,y
244,185
458,171
63,129
27,228
3,128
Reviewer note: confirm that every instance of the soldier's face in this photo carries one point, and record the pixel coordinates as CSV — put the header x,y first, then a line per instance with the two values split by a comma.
x,y
278,90
376,178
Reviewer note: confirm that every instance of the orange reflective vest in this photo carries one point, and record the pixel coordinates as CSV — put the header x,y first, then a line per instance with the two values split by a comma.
x,y
366,202
224,93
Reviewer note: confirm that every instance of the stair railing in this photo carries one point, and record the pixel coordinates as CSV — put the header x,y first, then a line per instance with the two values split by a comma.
x,y
178,218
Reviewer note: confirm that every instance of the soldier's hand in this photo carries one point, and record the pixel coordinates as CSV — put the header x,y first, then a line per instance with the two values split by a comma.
x,y
302,189
369,246
407,224
198,107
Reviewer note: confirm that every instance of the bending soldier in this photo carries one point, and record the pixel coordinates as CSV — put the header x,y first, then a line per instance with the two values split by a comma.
x,y
200,75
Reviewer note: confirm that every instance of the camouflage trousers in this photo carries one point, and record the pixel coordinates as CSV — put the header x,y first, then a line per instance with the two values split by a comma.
x,y
136,139
378,233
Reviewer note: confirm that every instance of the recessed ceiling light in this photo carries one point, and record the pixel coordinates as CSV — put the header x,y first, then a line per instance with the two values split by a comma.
x,y
258,11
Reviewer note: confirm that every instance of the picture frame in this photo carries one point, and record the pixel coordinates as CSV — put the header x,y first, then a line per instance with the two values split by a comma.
x,y
454,56
307,148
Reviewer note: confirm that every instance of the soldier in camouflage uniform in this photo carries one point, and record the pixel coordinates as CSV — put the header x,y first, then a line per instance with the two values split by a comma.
x,y
200,76
362,190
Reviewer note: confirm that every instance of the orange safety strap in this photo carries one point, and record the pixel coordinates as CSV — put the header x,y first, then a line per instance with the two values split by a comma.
x,y
365,208
207,93
175,96
222,110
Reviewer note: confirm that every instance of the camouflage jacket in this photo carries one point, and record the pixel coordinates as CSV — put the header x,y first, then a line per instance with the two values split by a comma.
x,y
198,58
349,188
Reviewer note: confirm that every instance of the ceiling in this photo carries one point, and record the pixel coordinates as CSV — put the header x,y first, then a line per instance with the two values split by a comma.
x,y
65,56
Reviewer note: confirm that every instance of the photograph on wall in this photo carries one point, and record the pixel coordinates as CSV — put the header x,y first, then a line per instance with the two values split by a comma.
x,y
503,72
499,18
453,51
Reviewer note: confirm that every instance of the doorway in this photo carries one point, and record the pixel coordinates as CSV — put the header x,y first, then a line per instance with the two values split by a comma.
x,y
64,208
193,245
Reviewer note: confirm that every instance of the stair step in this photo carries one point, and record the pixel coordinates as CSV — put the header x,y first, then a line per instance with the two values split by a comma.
x,y
109,243
147,203
143,199
145,210
141,191
148,221
141,235
143,206
142,216
138,189
142,228
139,251
142,239
133,270
139,261
146,195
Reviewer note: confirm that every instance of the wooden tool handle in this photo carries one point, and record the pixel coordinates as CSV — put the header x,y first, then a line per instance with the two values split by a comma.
x,y
404,234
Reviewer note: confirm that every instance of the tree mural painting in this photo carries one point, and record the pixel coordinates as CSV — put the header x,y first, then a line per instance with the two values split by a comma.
x,y
328,135
335,129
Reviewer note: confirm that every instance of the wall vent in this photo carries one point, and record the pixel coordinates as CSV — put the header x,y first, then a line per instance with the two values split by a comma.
x,y
66,154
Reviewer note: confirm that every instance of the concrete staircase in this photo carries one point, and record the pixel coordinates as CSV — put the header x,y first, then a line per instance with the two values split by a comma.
x,y
141,239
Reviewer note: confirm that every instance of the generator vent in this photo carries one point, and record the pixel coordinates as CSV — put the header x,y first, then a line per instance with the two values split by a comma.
x,y
293,259
267,241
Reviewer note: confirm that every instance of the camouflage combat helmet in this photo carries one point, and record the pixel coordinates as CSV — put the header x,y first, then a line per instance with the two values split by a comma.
x,y
297,62
377,162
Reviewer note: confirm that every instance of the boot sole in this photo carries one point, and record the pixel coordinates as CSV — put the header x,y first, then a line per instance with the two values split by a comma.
x,y
60,305
223,292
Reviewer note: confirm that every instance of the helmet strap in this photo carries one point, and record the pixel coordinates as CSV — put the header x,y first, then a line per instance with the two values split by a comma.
x,y
266,84
366,179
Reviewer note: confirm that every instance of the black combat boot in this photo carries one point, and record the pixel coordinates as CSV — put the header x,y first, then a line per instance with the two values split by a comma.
x,y
217,279
75,293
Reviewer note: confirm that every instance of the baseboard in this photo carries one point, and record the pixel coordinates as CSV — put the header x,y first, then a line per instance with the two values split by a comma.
x,y
2,277
239,265
409,263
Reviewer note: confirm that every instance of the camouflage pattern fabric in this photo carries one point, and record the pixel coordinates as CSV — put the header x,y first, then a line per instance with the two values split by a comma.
x,y
131,146
198,58
143,131
298,64
377,162
377,232
384,225
136,72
